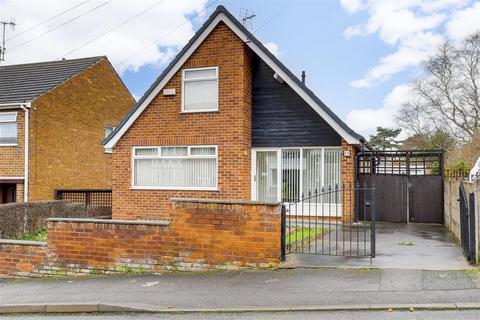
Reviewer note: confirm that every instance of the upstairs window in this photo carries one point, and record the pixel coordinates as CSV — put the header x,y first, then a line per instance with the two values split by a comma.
x,y
176,168
8,129
200,90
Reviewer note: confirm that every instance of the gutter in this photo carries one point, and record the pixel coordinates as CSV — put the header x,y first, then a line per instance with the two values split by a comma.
x,y
25,107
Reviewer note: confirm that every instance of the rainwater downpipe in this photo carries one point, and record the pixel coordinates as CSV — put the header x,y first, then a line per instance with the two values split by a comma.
x,y
26,107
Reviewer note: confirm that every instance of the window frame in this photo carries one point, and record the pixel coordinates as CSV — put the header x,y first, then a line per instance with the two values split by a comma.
x,y
193,80
10,121
188,156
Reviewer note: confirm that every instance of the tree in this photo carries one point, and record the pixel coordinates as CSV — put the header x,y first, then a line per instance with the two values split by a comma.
x,y
439,140
448,98
384,139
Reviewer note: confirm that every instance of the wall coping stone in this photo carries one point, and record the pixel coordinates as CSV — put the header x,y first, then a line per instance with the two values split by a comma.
x,y
225,201
105,221
23,243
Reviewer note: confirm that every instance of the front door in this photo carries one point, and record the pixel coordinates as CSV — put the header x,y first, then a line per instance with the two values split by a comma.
x,y
266,176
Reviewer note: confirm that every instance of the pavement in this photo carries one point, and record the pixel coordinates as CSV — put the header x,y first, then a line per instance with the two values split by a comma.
x,y
326,289
309,315
398,246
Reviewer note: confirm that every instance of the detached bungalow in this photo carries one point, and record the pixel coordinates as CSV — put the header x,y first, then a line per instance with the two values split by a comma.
x,y
227,119
53,117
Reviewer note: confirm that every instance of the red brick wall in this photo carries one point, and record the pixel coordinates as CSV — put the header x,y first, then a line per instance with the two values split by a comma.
x,y
201,235
21,260
163,124
348,180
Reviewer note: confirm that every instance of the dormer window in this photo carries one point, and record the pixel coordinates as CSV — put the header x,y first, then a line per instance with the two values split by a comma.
x,y
200,90
8,129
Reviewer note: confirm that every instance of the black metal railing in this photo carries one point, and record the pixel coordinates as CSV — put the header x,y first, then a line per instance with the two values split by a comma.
x,y
467,223
336,221
91,198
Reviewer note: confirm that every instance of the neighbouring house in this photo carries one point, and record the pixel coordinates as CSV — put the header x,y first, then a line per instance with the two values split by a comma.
x,y
227,120
53,118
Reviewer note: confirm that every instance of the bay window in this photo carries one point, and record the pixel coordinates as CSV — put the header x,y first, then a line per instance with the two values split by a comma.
x,y
200,90
175,167
8,128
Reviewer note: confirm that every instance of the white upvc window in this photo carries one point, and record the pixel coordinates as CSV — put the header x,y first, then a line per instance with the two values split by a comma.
x,y
175,168
8,129
200,89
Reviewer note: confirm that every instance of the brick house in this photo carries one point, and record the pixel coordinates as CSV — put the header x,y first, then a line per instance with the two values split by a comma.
x,y
227,120
53,117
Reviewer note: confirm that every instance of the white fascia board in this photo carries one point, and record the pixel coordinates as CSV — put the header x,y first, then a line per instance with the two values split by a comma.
x,y
222,17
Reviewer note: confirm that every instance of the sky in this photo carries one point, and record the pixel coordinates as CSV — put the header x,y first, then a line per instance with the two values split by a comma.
x,y
359,55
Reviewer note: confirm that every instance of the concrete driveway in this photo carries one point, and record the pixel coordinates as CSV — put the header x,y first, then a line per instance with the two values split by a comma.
x,y
398,246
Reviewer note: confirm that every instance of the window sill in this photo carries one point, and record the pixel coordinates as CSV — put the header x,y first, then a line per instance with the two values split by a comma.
x,y
9,145
200,111
174,189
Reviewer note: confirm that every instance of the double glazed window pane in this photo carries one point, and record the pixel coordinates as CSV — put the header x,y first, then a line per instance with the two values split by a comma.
x,y
175,167
8,128
175,173
200,90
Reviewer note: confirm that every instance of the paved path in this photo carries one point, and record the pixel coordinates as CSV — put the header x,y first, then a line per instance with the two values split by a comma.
x,y
259,289
398,246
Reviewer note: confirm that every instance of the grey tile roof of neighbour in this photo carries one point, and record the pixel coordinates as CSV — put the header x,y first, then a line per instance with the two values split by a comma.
x,y
251,37
25,82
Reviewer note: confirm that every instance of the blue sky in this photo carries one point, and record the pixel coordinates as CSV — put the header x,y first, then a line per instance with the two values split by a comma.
x,y
359,55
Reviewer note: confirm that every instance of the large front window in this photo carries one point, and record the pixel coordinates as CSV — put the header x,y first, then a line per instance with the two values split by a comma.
x,y
8,128
178,167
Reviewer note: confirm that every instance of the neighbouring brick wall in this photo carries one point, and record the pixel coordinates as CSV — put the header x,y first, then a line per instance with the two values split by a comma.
x,y
67,128
22,258
162,123
348,180
201,235
12,157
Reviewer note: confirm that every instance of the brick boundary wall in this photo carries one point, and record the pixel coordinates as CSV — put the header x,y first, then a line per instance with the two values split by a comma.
x,y
22,258
200,235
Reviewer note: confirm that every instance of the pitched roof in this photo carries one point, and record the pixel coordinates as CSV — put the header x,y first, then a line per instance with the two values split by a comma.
x,y
25,82
222,14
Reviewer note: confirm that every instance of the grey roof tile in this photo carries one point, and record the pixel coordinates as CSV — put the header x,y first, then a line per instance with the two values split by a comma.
x,y
25,82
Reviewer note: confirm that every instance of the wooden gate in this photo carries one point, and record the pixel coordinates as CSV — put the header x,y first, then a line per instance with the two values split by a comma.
x,y
409,184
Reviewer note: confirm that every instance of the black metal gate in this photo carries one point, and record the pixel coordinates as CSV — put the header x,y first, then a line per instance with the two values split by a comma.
x,y
467,223
409,184
326,222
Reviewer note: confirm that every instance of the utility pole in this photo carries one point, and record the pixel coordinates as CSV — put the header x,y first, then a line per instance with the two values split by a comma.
x,y
4,25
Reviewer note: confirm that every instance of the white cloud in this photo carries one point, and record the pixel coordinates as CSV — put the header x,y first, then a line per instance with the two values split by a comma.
x,y
273,48
410,27
413,52
352,6
366,120
118,45
464,22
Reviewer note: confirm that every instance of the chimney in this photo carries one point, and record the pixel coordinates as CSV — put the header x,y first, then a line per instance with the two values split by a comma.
x,y
303,77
